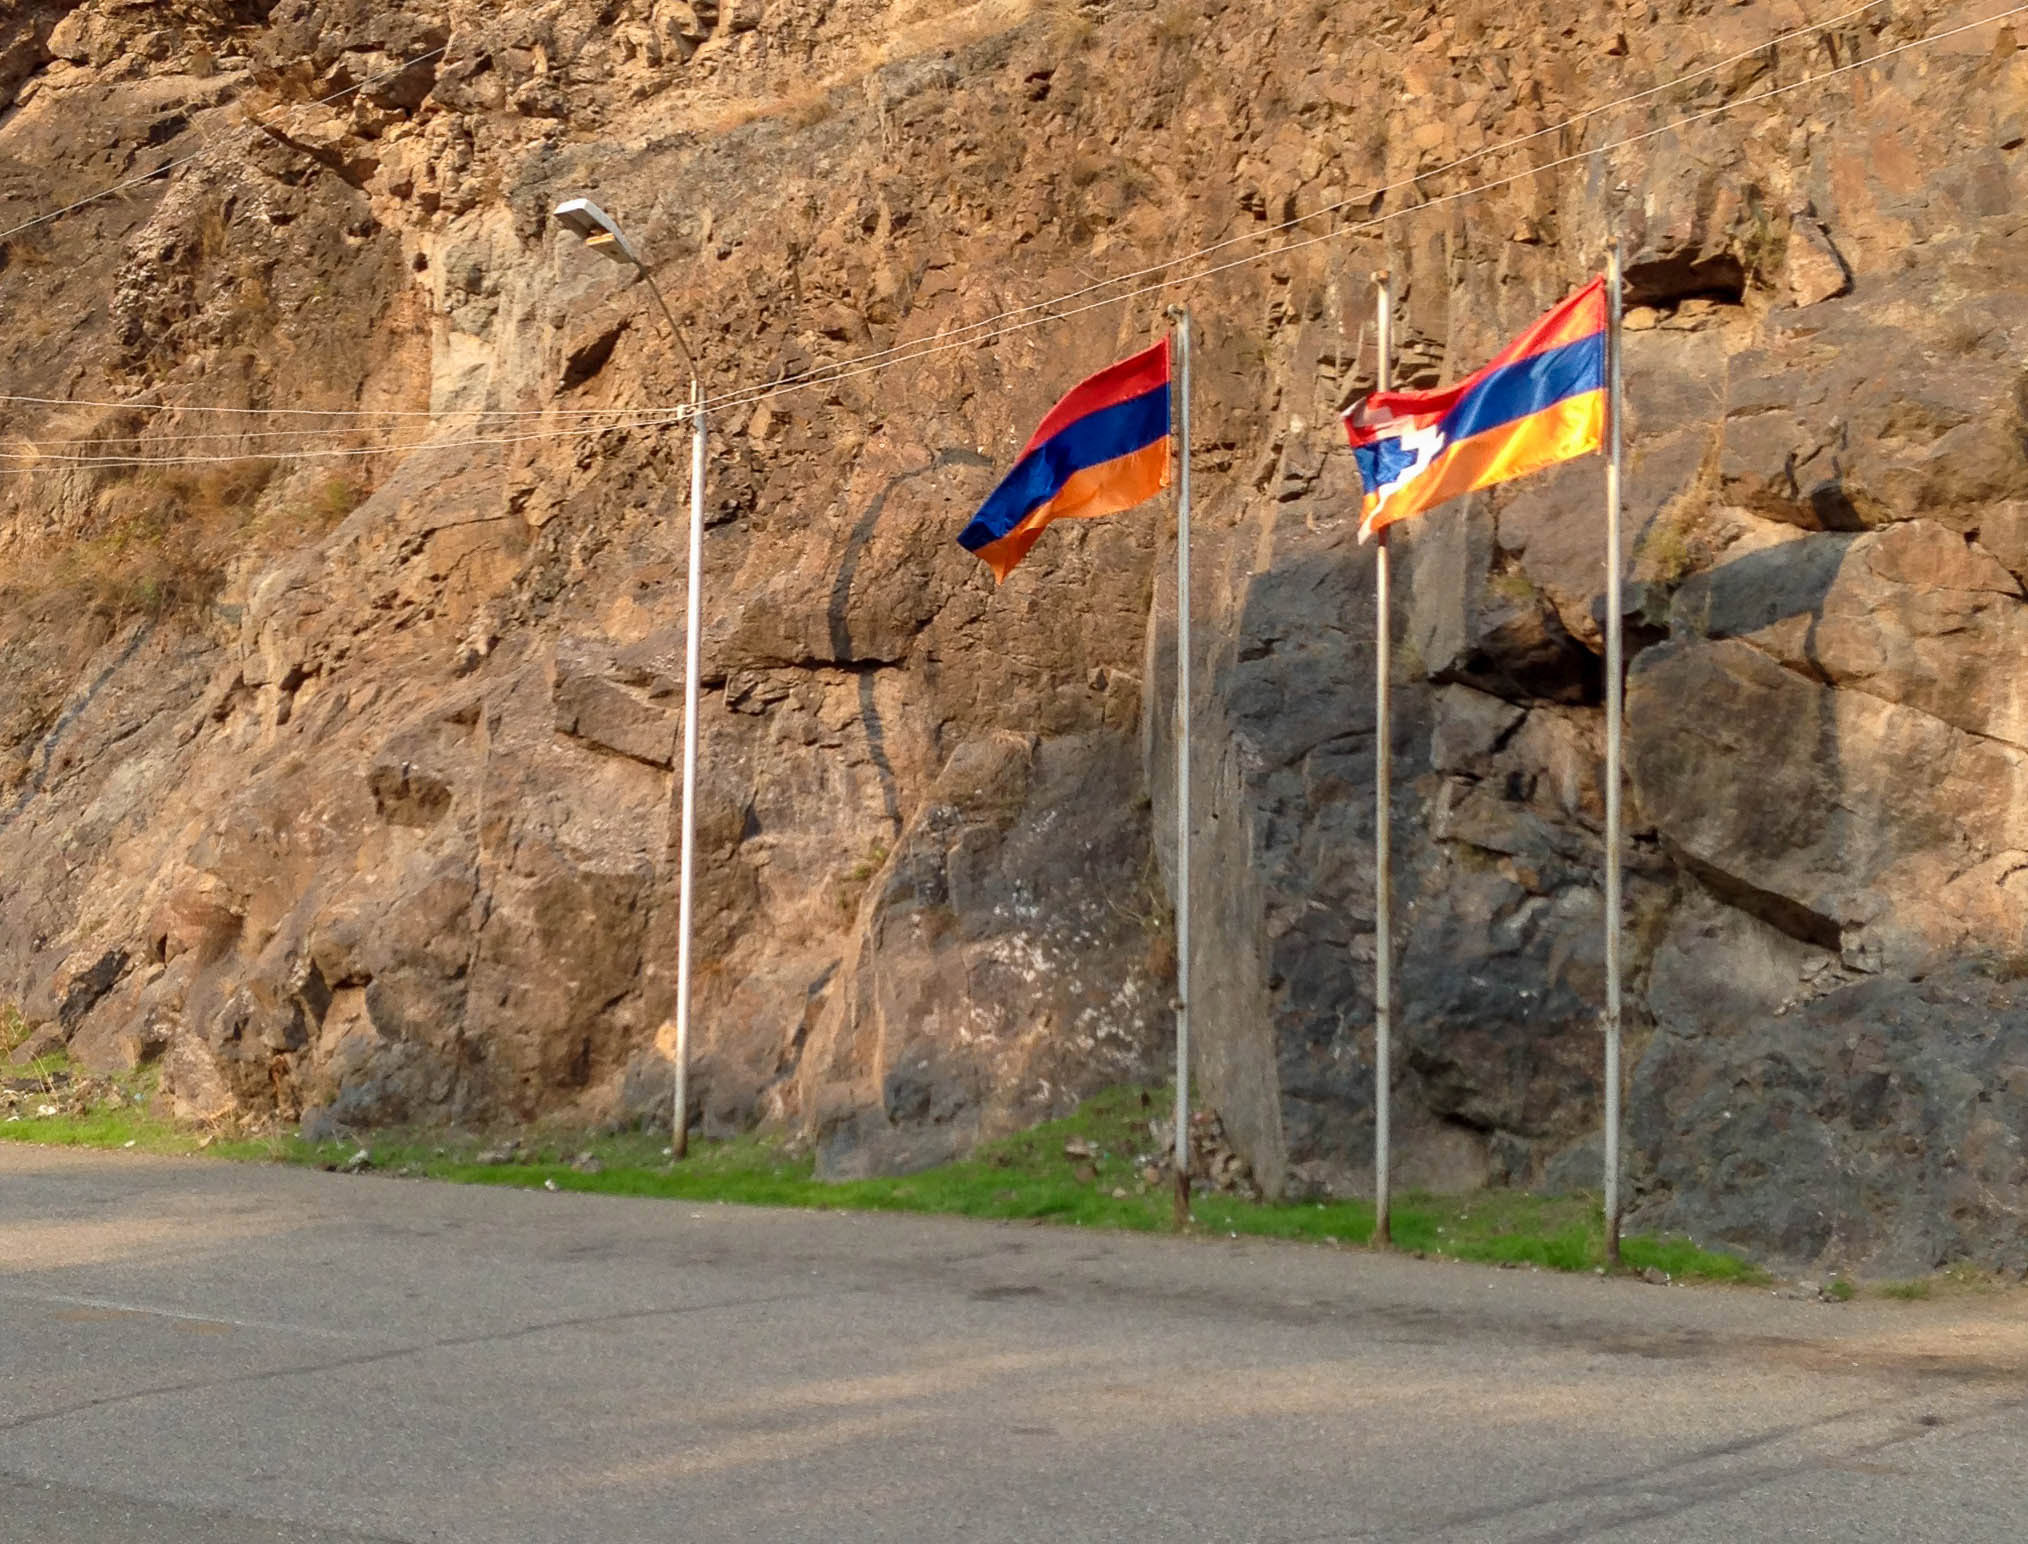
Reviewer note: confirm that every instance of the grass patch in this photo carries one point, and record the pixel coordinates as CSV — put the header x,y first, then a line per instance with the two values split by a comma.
x,y
124,1115
161,541
13,1030
1512,585
163,538
1907,1291
1666,554
1024,1177
1958,1280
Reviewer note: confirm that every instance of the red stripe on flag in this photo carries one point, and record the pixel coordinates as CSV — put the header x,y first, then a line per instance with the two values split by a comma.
x,y
1143,372
1582,315
1578,317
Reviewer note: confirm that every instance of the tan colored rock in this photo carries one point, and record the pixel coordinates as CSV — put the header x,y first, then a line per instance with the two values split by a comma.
x,y
1910,614
613,714
1836,816
1812,270
2003,531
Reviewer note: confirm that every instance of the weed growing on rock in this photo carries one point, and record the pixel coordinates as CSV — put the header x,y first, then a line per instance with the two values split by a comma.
x,y
853,886
1179,24
1512,584
338,498
13,1030
1068,26
165,539
805,112
1762,244
1666,556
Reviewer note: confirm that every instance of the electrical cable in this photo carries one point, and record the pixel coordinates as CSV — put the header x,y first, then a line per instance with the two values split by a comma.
x,y
850,368
253,125
76,463
326,412
236,435
738,397
1383,190
1366,198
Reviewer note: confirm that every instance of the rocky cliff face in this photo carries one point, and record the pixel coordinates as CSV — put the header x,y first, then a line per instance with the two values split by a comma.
x,y
346,780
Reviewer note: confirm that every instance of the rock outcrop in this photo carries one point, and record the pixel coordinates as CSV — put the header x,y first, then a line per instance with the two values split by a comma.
x,y
345,778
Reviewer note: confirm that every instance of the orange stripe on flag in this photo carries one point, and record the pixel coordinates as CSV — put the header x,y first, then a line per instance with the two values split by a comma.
x,y
1105,489
1572,427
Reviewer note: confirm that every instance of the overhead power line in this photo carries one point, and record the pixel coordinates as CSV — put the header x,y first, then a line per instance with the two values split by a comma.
x,y
1028,317
1380,191
327,412
55,463
972,329
927,347
253,125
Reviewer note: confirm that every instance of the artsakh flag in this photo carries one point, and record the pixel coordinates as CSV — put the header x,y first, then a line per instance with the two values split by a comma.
x,y
1102,449
1541,400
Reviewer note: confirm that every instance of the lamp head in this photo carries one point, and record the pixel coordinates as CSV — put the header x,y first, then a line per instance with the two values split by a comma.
x,y
598,229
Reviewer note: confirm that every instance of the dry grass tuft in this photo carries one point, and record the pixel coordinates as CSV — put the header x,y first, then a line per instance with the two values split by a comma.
x,y
32,249
164,538
1962,334
810,109
1179,23
1068,26
1668,553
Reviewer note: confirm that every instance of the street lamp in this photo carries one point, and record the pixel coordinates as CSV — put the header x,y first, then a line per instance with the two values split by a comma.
x,y
602,234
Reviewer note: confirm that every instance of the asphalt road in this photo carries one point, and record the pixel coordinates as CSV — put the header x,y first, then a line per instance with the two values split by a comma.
x,y
205,1353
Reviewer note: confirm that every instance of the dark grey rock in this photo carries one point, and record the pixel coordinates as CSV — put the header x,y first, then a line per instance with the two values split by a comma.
x,y
1470,726
647,1091
1877,1128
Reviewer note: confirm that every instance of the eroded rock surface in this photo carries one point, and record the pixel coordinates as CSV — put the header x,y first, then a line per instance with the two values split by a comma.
x,y
346,782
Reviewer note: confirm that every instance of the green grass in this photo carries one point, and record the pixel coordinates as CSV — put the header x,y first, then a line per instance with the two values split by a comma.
x,y
1907,1291
131,1122
46,1068
1024,1177
1961,1279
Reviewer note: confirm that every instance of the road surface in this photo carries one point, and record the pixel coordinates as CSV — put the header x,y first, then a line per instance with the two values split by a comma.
x,y
210,1353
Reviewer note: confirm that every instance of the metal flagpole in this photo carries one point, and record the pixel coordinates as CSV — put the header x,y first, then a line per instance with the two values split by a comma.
x,y
1181,318
680,1115
1383,846
1614,693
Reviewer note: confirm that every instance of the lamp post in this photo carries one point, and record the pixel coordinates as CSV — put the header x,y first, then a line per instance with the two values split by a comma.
x,y
586,219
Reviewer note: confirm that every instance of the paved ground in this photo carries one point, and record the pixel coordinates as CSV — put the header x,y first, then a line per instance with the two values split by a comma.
x,y
209,1352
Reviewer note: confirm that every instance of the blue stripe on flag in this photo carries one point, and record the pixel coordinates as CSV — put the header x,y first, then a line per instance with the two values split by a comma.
x,y
1528,386
1093,440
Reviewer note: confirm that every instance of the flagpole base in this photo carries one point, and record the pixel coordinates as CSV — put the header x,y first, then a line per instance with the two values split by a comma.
x,y
1182,1200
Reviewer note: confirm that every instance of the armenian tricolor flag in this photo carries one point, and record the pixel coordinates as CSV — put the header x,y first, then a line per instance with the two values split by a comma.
x,y
1541,400
1102,449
